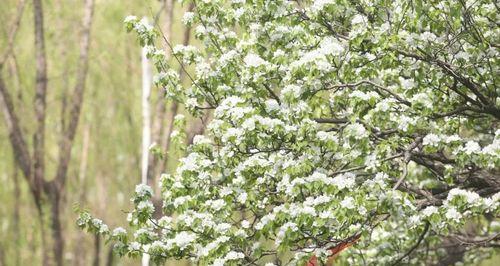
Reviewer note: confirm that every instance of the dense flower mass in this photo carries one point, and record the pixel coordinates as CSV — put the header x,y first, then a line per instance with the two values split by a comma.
x,y
332,120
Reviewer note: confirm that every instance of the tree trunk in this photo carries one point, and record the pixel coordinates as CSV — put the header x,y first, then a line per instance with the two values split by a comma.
x,y
165,143
22,156
146,115
3,262
79,248
43,237
56,227
198,127
17,207
158,130
109,261
146,126
55,188
97,251
40,99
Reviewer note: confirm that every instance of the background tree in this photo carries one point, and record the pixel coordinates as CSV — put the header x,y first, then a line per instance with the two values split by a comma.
x,y
105,157
33,167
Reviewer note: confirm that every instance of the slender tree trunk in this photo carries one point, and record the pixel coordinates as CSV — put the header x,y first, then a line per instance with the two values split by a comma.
x,y
43,236
55,188
166,139
146,125
40,99
76,100
21,154
165,143
158,129
97,251
109,261
146,115
3,261
79,251
198,127
55,226
17,220
19,146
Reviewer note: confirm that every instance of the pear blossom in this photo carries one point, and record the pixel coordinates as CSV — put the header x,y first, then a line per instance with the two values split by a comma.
x,y
328,121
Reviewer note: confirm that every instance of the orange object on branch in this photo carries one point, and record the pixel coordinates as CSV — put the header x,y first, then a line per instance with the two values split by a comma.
x,y
313,261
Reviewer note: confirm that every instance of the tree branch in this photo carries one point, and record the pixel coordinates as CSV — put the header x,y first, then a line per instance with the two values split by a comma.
x,y
166,140
331,120
13,32
447,68
369,82
16,135
158,129
419,241
40,96
76,99
407,156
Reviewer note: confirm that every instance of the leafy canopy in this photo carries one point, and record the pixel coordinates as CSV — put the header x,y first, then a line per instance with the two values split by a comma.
x,y
332,119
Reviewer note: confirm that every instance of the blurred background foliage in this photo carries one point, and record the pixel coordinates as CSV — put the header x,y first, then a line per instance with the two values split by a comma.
x,y
109,127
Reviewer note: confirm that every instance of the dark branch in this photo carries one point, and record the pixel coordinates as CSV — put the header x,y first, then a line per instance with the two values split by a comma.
x,y
419,241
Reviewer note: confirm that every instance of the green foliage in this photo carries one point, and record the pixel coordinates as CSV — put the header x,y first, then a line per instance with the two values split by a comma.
x,y
332,120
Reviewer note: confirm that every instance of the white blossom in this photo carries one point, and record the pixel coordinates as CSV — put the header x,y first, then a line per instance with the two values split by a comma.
x,y
348,203
431,140
253,60
453,214
429,210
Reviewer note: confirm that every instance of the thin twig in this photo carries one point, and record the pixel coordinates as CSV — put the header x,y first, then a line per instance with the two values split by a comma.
x,y
13,32
175,56
420,239
407,156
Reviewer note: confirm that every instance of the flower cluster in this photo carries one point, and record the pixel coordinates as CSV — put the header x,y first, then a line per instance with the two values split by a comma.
x,y
332,120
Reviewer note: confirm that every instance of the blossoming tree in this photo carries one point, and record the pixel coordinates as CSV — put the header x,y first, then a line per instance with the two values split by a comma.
x,y
333,121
